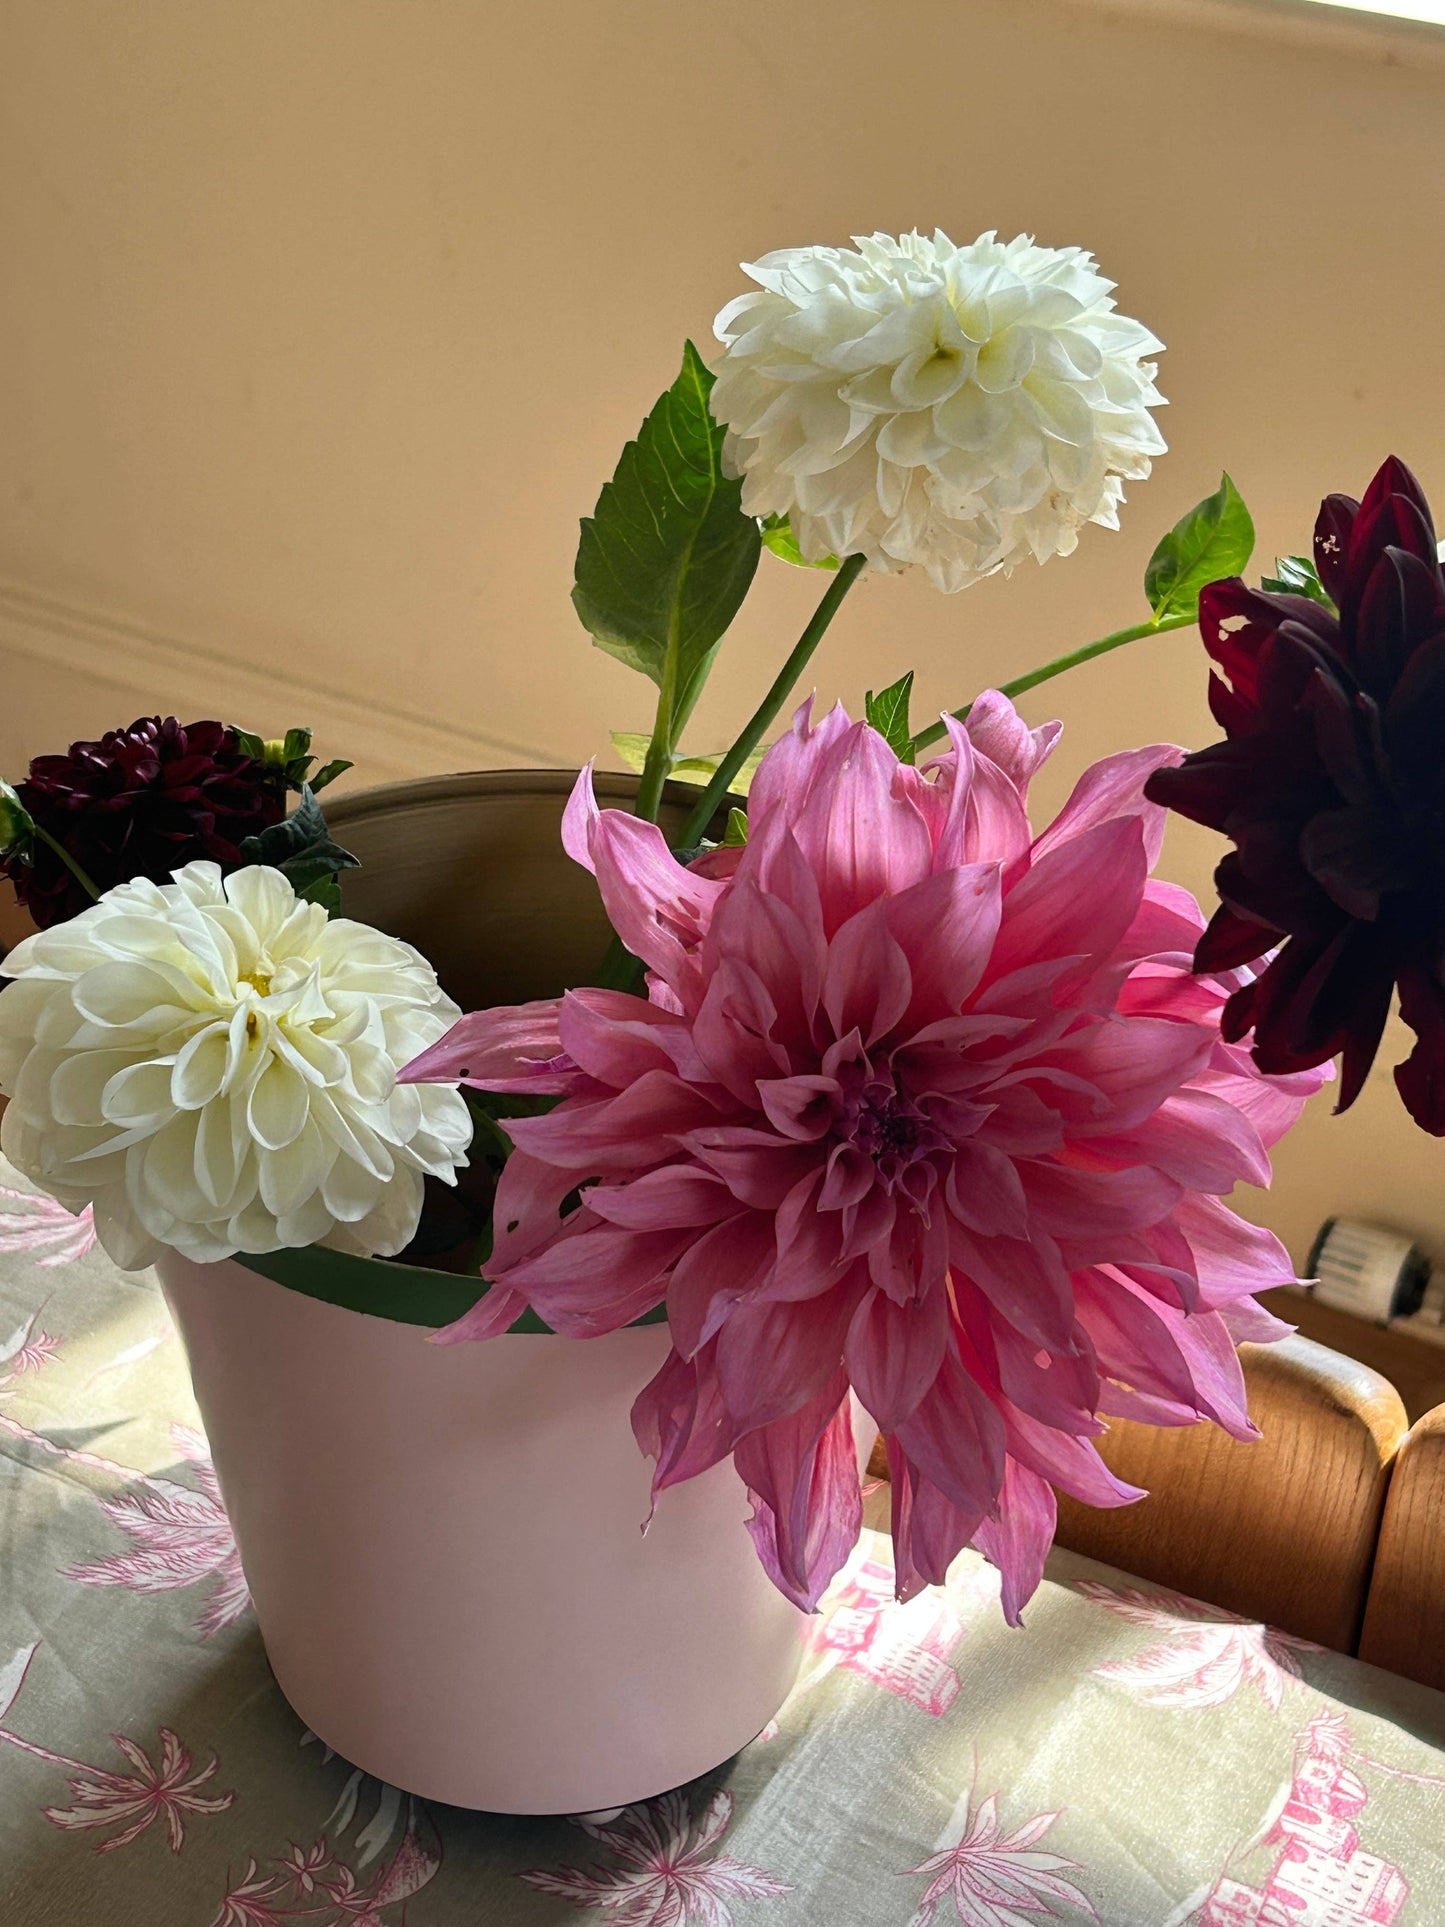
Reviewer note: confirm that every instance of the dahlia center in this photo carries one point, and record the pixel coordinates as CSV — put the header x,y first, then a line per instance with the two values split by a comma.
x,y
888,1127
259,981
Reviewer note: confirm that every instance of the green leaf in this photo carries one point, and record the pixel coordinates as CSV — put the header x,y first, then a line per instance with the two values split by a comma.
x,y
17,826
1297,575
736,833
1215,539
251,745
667,556
302,850
295,744
338,766
697,770
777,534
406,1294
888,713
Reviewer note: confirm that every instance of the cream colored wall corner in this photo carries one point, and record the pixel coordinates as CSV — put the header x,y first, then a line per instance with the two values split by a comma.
x,y
321,324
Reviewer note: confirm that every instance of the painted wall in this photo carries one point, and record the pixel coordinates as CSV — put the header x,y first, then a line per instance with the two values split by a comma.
x,y
321,324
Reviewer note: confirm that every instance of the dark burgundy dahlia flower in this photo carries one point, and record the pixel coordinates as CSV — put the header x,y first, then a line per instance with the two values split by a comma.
x,y
1331,785
139,803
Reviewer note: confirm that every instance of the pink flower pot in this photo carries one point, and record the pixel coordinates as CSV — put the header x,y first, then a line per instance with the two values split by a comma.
x,y
445,1548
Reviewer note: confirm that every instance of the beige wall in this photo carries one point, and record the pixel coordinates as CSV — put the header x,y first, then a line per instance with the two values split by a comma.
x,y
322,320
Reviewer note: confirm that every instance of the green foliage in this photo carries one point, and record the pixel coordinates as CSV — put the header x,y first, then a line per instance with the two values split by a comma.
x,y
888,713
667,556
697,770
1215,539
290,755
1297,575
777,534
736,833
17,826
302,850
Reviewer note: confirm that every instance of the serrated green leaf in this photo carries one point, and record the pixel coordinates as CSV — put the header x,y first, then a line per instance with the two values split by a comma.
x,y
777,534
736,833
302,850
338,766
1215,539
667,556
1297,575
888,714
697,770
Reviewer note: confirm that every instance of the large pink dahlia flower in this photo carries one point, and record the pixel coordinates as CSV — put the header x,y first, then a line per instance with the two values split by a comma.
x,y
921,1107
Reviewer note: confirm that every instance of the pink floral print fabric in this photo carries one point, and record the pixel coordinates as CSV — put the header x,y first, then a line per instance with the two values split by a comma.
x,y
1130,1758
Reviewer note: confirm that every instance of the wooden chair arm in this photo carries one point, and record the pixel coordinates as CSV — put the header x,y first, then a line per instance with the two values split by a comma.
x,y
1405,1614
1282,1530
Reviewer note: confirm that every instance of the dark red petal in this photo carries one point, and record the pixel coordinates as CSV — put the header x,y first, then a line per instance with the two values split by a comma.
x,y
1421,1078
1332,540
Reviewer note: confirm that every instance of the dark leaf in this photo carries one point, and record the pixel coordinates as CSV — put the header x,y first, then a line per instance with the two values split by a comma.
x,y
329,772
302,850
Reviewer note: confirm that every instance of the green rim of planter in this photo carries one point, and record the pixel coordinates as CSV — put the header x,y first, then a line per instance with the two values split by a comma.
x,y
406,1294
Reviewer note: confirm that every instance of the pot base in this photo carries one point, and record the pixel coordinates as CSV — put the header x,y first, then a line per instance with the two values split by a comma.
x,y
445,1548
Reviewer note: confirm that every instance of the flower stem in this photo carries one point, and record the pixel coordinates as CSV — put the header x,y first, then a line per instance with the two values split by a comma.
x,y
1154,627
768,708
68,860
658,765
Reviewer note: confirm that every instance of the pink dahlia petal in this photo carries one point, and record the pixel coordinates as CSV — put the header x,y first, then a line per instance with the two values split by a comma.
x,y
1162,1352
759,1167
774,1357
597,1278
1077,900
944,928
929,1531
956,1439
513,1048
680,1422
861,838
1069,1464
1024,1280
1133,1064
609,1136
667,1198
974,810
894,1353
997,731
789,771
733,1029
494,1313
801,1108
580,819
867,986
616,1038
728,1262
1092,1208
1112,789
1204,1142
984,1192
659,909
1234,1258
802,1474
1018,1541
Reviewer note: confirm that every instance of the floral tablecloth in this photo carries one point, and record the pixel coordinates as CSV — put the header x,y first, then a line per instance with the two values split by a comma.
x,y
1130,1758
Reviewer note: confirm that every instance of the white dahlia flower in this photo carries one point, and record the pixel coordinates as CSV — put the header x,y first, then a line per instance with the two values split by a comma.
x,y
212,1064
915,402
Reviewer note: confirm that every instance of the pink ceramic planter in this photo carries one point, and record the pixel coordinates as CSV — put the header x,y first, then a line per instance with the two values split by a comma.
x,y
444,1545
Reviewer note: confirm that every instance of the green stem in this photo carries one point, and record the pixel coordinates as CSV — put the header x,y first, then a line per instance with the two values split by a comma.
x,y
658,764
1154,627
768,708
69,861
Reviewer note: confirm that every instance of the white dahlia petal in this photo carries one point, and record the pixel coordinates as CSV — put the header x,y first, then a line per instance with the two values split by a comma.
x,y
211,1065
954,408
